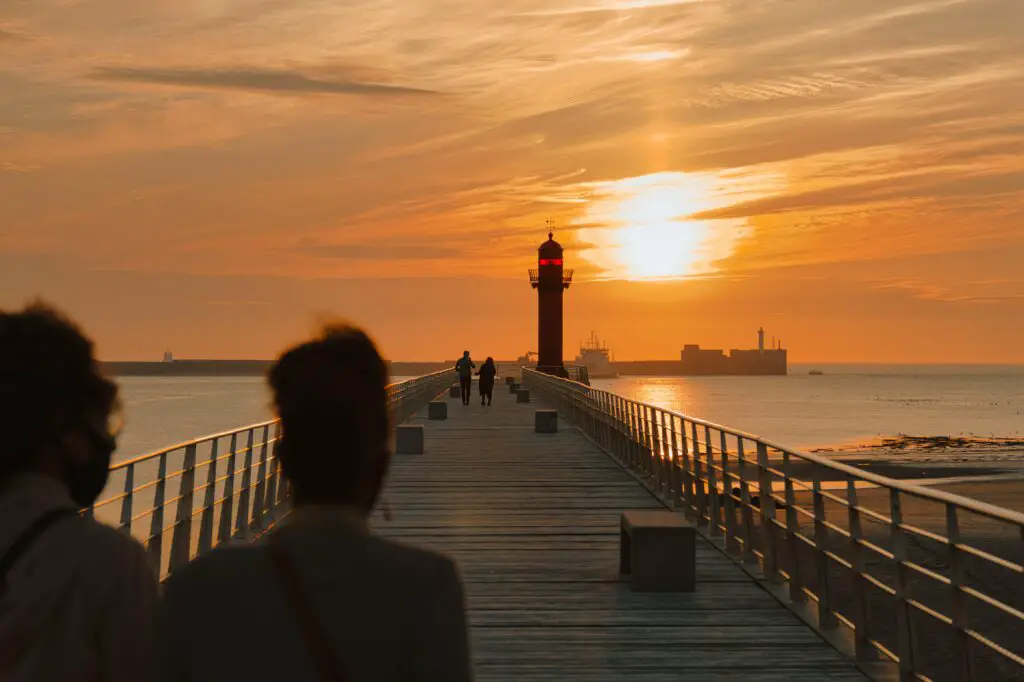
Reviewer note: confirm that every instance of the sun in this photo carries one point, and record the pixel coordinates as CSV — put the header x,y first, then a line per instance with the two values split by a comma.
x,y
643,227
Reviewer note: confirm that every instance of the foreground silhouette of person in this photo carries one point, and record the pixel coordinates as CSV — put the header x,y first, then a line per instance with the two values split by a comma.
x,y
77,597
320,598
465,368
487,373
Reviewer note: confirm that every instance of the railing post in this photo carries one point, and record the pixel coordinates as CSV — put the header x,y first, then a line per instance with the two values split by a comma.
x,y
715,506
244,493
620,432
181,540
826,620
700,501
861,641
905,642
643,440
964,667
746,506
655,446
635,459
156,520
796,592
768,549
602,413
688,485
227,508
125,523
668,459
730,503
275,473
606,418
209,500
259,504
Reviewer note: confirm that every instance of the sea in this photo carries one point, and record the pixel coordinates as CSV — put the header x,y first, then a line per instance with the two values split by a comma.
x,y
846,409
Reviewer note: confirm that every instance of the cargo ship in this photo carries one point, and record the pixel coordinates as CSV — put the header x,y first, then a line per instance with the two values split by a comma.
x,y
597,359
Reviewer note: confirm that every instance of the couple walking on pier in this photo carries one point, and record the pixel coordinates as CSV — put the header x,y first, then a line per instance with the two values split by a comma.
x,y
487,373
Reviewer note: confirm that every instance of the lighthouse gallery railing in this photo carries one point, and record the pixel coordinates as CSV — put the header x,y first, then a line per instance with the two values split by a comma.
x,y
205,492
942,597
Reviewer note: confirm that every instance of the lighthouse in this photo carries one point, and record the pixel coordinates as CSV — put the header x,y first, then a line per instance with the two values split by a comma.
x,y
550,279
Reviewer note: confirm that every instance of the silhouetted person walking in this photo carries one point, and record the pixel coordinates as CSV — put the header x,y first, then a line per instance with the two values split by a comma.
x,y
330,600
77,597
465,368
487,373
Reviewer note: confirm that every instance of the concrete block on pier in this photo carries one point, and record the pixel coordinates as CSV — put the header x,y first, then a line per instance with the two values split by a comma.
x,y
513,387
437,409
523,395
455,391
409,439
545,421
509,381
658,551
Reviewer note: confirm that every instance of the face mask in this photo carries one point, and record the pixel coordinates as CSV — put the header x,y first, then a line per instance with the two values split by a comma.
x,y
86,481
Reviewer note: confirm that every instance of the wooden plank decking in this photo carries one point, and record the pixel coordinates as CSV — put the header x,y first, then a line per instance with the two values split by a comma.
x,y
533,521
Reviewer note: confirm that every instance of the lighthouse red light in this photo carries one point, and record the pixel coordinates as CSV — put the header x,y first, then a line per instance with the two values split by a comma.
x,y
550,261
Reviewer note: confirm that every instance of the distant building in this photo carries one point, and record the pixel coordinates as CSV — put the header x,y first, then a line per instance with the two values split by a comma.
x,y
700,361
168,357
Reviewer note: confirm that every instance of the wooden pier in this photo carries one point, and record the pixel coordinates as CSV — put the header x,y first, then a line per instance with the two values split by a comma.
x,y
533,522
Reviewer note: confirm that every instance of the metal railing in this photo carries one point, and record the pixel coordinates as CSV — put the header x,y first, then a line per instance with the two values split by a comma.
x,y
888,570
218,488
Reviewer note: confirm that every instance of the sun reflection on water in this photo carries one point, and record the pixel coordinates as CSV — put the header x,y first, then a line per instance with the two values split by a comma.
x,y
641,227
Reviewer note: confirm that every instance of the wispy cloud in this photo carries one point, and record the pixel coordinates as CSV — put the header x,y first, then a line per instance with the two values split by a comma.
x,y
9,36
279,81
382,251
966,292
238,303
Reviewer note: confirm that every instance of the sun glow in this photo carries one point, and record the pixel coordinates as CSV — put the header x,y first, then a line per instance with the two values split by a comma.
x,y
641,227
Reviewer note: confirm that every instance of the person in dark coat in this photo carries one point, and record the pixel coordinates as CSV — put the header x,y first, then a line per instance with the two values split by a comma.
x,y
487,373
338,601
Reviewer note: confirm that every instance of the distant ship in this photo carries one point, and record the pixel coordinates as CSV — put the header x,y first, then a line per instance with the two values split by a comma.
x,y
816,373
527,359
595,357
168,357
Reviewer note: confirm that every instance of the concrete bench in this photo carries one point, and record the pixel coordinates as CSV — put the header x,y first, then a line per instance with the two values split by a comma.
x,y
409,439
437,409
545,421
658,551
513,387
523,395
455,391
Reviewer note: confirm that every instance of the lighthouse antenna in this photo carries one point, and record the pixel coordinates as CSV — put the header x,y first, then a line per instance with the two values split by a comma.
x,y
550,222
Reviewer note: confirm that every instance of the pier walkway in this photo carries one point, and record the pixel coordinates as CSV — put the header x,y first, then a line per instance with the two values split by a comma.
x,y
806,568
533,521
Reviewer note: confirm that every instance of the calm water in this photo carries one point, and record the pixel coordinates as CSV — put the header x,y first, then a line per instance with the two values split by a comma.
x,y
846,405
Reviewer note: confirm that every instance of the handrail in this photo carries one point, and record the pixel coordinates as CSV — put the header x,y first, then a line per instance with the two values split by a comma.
x,y
932,601
242,495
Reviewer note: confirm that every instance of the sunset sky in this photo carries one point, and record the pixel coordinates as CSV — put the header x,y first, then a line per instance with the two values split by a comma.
x,y
214,176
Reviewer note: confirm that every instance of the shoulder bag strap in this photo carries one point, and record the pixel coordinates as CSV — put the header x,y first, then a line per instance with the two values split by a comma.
x,y
29,536
320,648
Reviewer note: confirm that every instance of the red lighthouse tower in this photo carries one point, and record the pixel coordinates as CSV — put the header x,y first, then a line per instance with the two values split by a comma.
x,y
550,279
